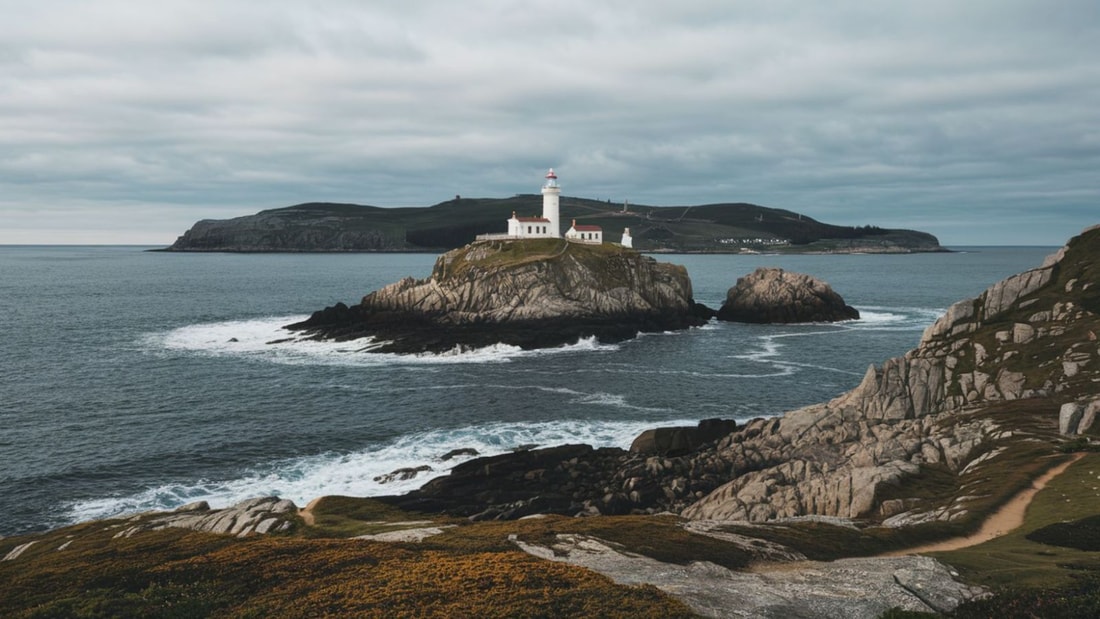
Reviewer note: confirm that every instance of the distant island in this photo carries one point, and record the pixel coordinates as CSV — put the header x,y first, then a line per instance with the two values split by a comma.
x,y
708,228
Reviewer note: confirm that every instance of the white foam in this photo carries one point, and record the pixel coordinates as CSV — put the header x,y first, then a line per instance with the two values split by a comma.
x,y
266,339
352,474
876,318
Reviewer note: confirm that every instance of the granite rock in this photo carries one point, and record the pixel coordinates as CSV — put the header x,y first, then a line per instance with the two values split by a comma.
x,y
769,295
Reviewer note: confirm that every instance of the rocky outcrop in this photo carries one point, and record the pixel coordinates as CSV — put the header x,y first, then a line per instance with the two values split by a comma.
x,y
531,293
1077,417
681,440
568,479
251,517
851,588
1027,337
402,474
770,295
572,480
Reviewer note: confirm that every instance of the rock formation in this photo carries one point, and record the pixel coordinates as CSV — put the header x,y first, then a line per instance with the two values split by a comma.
x,y
850,588
678,441
253,516
661,472
993,379
532,293
1027,337
770,295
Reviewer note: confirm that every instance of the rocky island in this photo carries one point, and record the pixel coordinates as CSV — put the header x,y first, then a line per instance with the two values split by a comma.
x,y
821,512
530,293
769,295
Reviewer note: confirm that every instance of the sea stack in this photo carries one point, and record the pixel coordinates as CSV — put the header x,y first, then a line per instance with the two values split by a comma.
x,y
769,295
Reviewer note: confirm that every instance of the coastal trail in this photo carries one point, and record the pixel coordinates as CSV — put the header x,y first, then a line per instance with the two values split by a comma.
x,y
1009,517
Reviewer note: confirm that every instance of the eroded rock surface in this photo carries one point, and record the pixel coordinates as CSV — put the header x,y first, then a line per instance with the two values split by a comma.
x,y
851,588
253,516
769,295
1015,341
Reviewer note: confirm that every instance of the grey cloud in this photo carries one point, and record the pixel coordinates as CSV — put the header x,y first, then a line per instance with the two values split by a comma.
x,y
906,113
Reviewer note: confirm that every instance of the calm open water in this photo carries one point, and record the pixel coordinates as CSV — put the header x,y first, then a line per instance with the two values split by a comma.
x,y
132,380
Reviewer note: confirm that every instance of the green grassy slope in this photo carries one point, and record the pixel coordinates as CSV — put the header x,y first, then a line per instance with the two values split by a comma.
x,y
712,227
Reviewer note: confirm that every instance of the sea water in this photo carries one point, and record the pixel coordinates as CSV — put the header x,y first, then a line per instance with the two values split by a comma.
x,y
134,380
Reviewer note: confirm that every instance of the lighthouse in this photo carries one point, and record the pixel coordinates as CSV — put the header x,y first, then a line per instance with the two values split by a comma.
x,y
550,196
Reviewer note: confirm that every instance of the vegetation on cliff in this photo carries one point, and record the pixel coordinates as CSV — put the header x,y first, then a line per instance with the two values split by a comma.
x,y
728,227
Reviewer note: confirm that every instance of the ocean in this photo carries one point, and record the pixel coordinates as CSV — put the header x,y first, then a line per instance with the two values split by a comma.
x,y
134,380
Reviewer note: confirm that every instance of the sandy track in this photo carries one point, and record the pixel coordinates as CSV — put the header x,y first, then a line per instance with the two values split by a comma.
x,y
1008,517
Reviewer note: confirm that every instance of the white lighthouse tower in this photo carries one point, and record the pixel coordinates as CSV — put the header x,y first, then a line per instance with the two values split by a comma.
x,y
550,196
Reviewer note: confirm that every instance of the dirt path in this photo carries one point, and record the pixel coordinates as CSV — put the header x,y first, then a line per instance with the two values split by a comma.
x,y
307,512
1005,519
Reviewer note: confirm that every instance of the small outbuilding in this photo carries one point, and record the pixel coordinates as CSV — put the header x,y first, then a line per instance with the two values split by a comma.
x,y
628,241
530,227
585,234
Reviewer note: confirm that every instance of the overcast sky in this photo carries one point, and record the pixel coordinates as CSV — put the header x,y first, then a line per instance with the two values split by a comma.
x,y
126,122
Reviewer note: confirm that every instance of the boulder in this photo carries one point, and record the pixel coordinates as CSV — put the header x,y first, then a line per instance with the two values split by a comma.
x,y
1069,417
250,517
680,440
402,474
769,295
1077,418
461,451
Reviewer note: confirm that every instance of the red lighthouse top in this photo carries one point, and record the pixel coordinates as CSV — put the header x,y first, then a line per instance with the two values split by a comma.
x,y
551,174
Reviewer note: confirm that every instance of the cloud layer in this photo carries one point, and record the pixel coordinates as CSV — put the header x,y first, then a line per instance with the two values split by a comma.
x,y
126,122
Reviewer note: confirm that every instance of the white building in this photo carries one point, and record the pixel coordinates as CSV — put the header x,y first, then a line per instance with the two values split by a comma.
x,y
547,226
585,234
550,198
530,227
628,241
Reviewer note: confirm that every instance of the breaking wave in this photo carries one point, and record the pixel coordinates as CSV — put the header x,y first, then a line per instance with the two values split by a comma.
x,y
353,474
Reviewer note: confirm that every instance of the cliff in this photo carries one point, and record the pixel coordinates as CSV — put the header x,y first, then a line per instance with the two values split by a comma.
x,y
727,227
992,385
532,293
